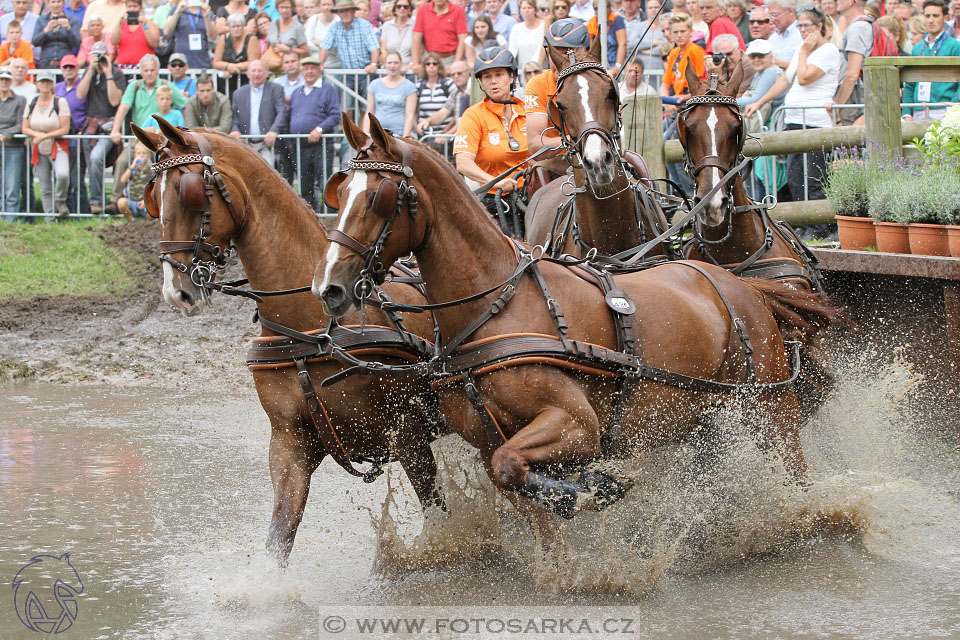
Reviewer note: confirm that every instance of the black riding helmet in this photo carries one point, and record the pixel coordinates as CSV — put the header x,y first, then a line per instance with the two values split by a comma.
x,y
568,33
496,58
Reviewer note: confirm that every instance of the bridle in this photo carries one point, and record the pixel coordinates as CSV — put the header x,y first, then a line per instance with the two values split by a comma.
x,y
574,146
197,188
712,98
391,195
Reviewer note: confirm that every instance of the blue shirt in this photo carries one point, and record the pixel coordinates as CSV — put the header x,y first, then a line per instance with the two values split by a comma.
x,y
187,86
175,117
78,107
270,9
354,44
192,23
391,103
504,25
785,44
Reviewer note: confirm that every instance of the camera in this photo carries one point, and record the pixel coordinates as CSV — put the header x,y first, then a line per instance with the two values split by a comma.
x,y
719,59
133,17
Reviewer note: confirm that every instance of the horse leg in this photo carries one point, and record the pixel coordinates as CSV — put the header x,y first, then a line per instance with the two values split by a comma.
x,y
293,459
544,528
420,465
557,435
779,430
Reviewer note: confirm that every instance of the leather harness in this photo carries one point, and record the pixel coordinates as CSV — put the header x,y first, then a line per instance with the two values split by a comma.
x,y
291,348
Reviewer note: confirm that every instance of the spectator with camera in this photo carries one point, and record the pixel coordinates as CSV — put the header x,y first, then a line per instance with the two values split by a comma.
x,y
15,46
95,35
14,158
134,37
192,28
208,108
22,15
725,59
102,86
57,35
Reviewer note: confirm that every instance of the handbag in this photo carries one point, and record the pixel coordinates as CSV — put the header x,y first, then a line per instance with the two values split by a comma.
x,y
271,59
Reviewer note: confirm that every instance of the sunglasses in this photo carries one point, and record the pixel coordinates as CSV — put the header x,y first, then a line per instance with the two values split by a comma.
x,y
431,64
68,66
529,73
401,6
764,21
177,64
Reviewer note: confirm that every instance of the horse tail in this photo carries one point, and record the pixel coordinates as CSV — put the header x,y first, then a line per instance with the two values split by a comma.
x,y
800,314
803,315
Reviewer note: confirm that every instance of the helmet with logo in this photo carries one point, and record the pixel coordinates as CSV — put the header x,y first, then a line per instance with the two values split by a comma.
x,y
494,58
568,33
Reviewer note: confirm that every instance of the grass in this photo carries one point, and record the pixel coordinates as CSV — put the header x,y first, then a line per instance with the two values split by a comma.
x,y
55,259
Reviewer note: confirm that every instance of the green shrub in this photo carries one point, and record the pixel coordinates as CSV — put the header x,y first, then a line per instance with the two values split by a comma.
x,y
891,196
846,186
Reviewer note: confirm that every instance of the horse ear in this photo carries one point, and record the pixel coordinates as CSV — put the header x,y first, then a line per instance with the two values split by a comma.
x,y
170,132
152,141
355,136
596,48
383,139
730,88
559,60
693,81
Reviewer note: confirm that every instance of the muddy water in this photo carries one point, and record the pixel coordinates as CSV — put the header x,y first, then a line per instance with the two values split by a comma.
x,y
162,500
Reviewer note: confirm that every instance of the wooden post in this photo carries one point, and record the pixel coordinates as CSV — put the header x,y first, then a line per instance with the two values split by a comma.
x,y
643,131
882,86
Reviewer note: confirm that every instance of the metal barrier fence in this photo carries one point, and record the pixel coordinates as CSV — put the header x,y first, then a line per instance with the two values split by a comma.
x,y
836,109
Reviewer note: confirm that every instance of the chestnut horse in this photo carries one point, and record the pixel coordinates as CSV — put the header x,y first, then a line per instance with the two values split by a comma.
x,y
732,230
529,413
598,205
279,241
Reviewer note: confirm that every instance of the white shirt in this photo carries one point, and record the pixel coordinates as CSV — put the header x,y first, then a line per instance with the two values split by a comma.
x,y
526,44
785,44
584,12
828,58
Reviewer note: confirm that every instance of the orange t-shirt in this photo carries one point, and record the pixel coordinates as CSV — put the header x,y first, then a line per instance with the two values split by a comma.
x,y
23,50
540,88
675,73
481,132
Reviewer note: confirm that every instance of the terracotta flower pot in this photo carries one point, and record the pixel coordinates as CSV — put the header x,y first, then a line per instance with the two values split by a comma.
x,y
892,237
928,239
856,233
953,239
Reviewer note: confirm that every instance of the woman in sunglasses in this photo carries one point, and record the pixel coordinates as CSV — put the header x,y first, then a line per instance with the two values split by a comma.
x,y
433,90
397,34
560,10
811,78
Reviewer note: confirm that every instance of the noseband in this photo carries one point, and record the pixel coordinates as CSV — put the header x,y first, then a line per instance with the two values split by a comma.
x,y
713,98
574,146
196,194
388,199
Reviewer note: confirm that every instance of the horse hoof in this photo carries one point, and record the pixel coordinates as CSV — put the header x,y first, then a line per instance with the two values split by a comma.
x,y
605,488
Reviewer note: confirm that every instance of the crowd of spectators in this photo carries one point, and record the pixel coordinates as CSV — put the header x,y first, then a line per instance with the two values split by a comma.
x,y
262,70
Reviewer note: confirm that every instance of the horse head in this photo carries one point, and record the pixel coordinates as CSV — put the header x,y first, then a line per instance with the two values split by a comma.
x,y
196,210
712,133
586,112
377,199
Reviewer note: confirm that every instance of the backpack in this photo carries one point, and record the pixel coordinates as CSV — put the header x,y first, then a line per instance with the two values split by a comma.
x,y
883,45
56,105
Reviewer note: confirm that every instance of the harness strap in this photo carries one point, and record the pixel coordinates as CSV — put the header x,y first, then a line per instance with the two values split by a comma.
x,y
332,444
738,325
494,433
556,313
335,235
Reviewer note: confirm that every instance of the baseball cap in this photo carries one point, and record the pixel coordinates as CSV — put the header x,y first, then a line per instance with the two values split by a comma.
x,y
311,60
759,48
68,60
99,48
44,74
177,57
5,73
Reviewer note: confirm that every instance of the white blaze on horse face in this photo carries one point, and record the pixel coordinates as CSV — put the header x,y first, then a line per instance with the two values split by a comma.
x,y
717,200
592,149
358,184
163,184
